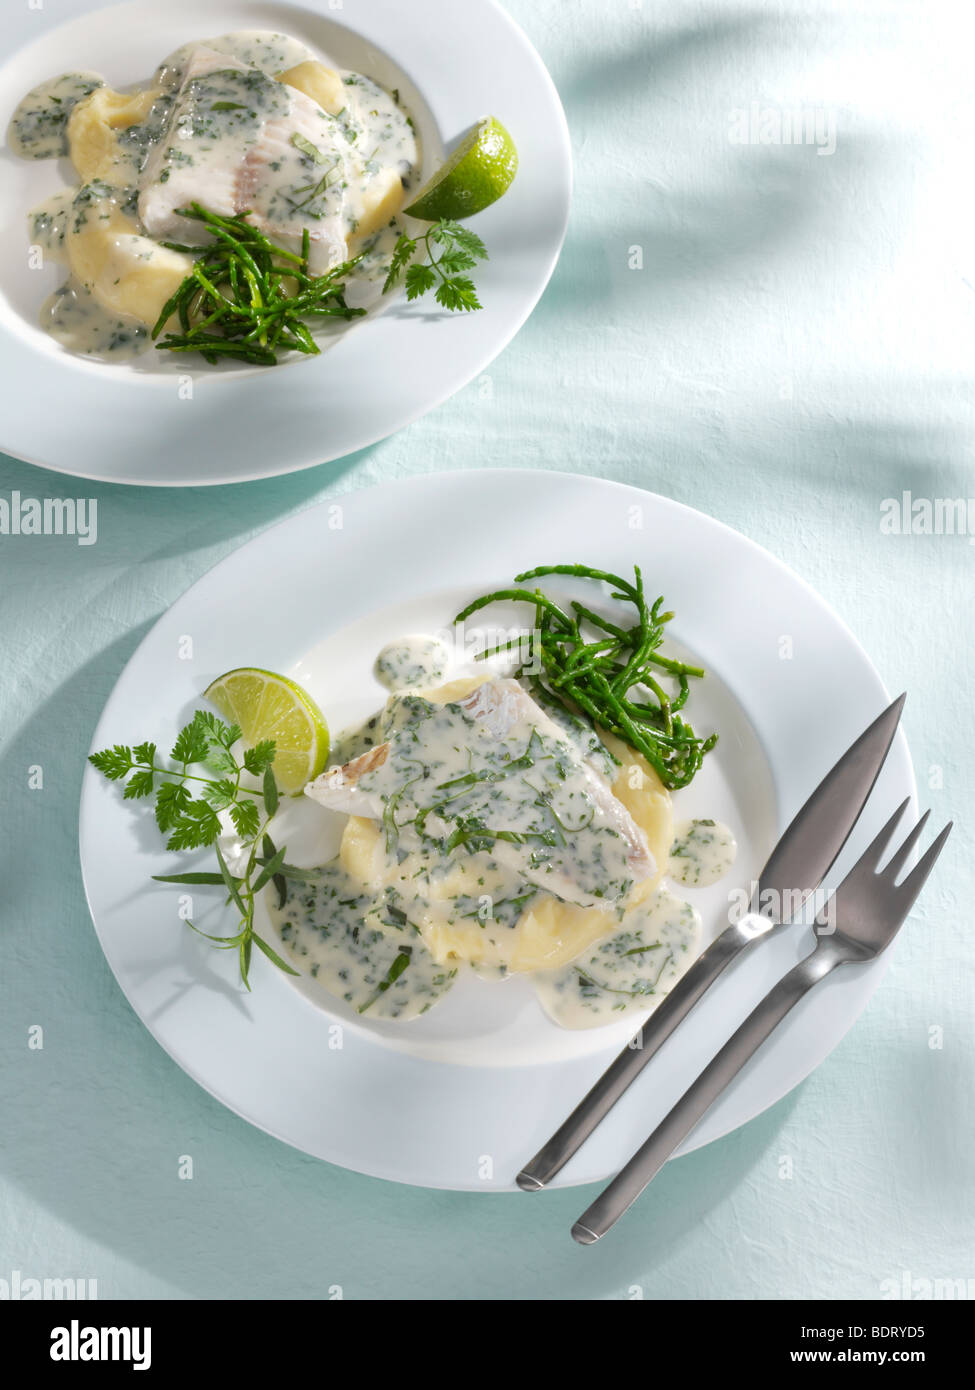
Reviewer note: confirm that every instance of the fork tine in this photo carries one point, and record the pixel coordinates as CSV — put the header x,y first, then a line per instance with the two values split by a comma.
x,y
915,880
900,856
870,858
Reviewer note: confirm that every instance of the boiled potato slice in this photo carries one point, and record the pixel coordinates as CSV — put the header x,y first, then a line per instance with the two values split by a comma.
x,y
359,852
93,124
126,272
552,933
318,82
380,204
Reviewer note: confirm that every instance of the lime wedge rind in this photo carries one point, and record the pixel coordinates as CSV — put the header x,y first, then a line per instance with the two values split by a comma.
x,y
478,172
268,706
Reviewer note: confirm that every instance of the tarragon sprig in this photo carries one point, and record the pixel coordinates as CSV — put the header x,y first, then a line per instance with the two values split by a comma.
x,y
451,250
201,779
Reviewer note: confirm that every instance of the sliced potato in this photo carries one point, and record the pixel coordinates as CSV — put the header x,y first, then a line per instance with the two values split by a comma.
x,y
380,205
359,852
322,84
126,272
552,933
94,123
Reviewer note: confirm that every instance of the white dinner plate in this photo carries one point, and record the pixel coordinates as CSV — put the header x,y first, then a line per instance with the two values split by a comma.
x,y
462,1097
156,422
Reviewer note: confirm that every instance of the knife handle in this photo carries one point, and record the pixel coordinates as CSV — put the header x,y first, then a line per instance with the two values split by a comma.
x,y
623,1191
590,1111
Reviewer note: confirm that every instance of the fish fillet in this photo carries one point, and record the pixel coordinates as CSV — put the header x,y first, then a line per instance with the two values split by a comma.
x,y
240,142
609,843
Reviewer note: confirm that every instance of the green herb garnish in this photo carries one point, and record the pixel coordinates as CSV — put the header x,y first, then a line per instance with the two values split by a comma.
x,y
639,991
612,679
187,806
392,975
315,190
306,147
459,250
248,299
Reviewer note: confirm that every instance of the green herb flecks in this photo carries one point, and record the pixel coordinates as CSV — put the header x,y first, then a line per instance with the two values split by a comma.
x,y
451,250
246,298
306,147
392,975
613,678
640,989
189,797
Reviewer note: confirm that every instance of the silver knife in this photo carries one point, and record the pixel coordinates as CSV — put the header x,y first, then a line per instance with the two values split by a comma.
x,y
796,868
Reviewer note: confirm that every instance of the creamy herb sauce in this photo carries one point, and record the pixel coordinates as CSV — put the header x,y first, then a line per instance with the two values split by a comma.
x,y
74,317
412,663
513,790
99,202
38,127
382,134
260,48
702,852
358,739
581,735
630,971
49,222
354,944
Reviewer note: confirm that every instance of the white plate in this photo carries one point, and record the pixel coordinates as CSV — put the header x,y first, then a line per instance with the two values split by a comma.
x,y
462,1098
453,63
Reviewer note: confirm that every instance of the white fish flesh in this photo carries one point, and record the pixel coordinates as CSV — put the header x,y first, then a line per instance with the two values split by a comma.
x,y
494,773
238,141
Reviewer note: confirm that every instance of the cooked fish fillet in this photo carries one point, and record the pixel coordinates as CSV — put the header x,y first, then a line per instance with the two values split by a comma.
x,y
339,790
240,142
502,704
500,710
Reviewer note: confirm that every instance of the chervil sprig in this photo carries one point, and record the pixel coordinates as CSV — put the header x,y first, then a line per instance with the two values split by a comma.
x,y
201,779
451,250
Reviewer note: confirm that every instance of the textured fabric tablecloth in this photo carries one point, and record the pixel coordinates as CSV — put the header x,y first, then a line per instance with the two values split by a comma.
x,y
779,334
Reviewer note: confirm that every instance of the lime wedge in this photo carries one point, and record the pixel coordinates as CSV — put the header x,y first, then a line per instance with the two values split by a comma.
x,y
477,174
266,705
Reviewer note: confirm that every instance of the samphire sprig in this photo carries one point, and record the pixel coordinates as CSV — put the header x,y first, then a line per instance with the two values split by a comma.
x,y
451,251
207,779
248,299
613,678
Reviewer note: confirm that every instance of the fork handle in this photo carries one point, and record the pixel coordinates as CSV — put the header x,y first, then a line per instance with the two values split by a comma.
x,y
596,1105
610,1205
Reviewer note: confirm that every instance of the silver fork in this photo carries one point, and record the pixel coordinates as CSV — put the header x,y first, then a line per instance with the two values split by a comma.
x,y
868,909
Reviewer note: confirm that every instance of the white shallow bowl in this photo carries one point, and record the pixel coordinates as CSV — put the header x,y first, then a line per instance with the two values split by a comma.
x,y
462,1097
159,422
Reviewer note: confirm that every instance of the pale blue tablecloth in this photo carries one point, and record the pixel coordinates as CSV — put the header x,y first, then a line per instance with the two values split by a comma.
x,y
797,347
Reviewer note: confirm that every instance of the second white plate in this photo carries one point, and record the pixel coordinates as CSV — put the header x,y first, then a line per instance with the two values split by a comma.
x,y
464,1096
